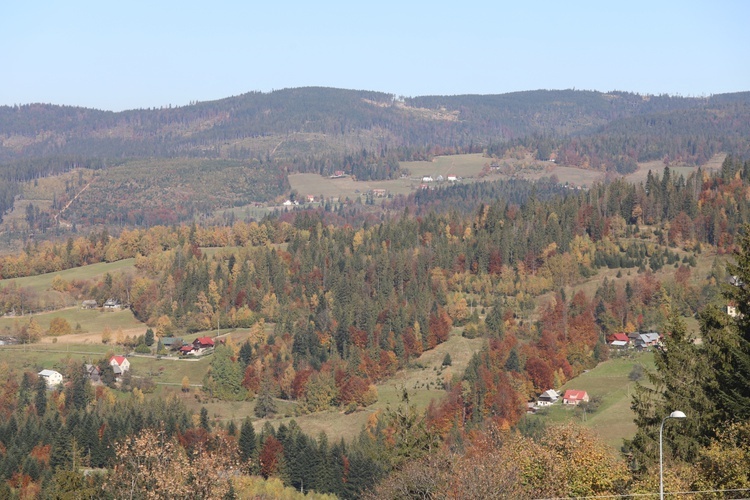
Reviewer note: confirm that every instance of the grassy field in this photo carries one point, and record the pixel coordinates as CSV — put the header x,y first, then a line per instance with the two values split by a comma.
x,y
43,282
92,322
613,420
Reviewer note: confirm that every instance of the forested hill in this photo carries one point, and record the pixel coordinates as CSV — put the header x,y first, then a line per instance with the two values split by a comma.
x,y
366,134
310,121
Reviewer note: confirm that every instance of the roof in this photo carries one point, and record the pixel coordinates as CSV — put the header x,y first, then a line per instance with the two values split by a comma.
x,y
620,336
649,337
169,340
574,394
551,393
205,340
118,359
186,348
49,373
618,343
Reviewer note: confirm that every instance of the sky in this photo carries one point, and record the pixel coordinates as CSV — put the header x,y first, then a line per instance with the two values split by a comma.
x,y
116,55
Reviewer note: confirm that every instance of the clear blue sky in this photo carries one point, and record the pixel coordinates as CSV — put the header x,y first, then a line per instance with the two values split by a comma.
x,y
140,54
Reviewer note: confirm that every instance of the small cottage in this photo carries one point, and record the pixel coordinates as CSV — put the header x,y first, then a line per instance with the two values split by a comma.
x,y
548,398
119,362
574,397
51,378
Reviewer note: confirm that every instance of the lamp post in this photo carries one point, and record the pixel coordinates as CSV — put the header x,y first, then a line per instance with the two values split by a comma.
x,y
674,414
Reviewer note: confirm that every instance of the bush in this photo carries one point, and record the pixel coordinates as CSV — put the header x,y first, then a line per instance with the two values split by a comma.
x,y
636,373
143,349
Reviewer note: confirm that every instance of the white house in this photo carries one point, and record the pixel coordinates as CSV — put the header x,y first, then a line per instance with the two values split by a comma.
x,y
112,304
51,377
573,397
120,362
452,178
547,398
427,178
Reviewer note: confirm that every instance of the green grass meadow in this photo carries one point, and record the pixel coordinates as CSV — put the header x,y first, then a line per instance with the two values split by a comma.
x,y
613,420
43,282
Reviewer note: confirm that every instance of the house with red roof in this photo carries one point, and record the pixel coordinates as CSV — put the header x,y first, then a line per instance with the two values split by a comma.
x,y
574,397
119,364
619,340
203,343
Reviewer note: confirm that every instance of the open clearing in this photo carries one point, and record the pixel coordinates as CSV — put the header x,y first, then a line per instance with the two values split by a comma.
x,y
43,282
613,420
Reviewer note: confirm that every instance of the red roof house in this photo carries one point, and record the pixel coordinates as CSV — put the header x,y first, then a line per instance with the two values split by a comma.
x,y
573,397
203,342
623,337
121,362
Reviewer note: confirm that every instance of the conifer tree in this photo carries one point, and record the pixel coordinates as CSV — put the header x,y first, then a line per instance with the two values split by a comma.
x,y
732,365
247,441
40,400
682,381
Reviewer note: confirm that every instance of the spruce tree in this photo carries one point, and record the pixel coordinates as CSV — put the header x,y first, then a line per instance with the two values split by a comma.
x,y
149,337
682,381
40,400
264,403
732,364
205,424
247,441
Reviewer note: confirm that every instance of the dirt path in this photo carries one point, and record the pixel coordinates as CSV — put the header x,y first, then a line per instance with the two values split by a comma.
x,y
63,209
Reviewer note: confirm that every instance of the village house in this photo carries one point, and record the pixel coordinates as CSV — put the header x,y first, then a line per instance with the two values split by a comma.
x,y
548,398
89,304
427,178
574,397
119,364
198,347
619,340
379,193
644,340
51,378
203,343
171,343
92,373
112,304
452,178
310,198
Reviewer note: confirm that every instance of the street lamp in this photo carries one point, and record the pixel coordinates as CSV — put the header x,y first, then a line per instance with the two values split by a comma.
x,y
674,414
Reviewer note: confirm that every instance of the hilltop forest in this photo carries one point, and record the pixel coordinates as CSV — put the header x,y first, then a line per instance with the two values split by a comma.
x,y
253,141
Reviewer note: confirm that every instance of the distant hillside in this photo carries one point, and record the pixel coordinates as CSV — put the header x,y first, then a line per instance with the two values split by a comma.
x,y
366,133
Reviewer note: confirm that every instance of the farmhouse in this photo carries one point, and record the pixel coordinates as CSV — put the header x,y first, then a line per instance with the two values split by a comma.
x,y
89,304
619,340
197,347
452,178
112,304
427,178
172,343
92,372
119,363
379,193
547,398
203,342
649,339
574,397
51,377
